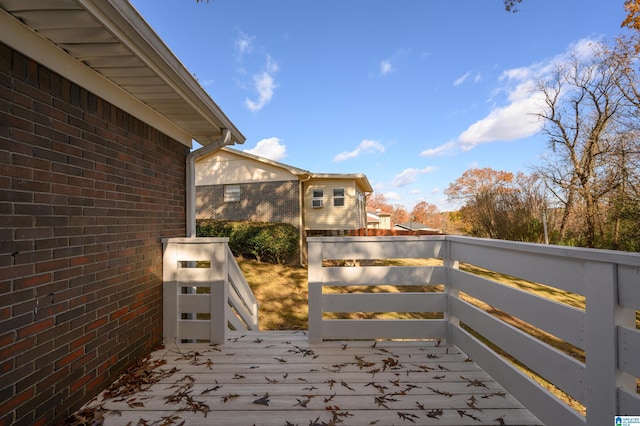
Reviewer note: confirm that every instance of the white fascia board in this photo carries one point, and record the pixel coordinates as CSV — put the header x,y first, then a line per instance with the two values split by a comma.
x,y
124,21
29,43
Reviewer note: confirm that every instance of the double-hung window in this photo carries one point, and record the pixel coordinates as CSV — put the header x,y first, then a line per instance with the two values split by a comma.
x,y
318,195
231,193
338,197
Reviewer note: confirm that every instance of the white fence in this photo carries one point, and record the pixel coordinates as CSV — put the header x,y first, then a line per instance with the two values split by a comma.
x,y
606,330
204,291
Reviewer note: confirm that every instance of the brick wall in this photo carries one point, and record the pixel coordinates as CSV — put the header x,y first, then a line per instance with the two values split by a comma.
x,y
86,194
259,202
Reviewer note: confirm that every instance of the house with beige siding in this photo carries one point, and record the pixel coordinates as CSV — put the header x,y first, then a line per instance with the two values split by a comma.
x,y
235,185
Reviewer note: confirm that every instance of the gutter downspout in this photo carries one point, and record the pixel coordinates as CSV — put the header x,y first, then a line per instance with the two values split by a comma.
x,y
191,177
303,235
366,225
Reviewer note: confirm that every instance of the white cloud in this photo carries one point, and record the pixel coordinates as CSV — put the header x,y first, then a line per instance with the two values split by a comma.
x,y
264,84
521,73
517,117
244,43
410,175
462,79
367,146
441,150
389,65
392,196
515,121
271,148
385,67
255,63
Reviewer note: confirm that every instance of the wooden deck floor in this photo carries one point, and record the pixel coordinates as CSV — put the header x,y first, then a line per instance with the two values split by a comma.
x,y
278,378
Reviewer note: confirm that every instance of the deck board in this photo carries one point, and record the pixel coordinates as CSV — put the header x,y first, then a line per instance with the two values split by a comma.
x,y
279,378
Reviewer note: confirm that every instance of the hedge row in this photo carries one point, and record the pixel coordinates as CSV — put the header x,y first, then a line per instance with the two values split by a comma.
x,y
266,242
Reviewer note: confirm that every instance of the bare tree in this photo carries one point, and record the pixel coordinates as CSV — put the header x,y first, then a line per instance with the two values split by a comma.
x,y
583,105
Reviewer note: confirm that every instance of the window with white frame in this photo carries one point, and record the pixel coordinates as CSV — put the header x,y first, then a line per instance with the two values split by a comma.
x,y
338,197
231,193
317,196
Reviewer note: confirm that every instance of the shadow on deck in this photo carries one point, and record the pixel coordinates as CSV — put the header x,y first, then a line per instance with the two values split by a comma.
x,y
279,378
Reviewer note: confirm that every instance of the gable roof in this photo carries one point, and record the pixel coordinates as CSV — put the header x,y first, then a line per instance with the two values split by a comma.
x,y
293,170
109,49
360,178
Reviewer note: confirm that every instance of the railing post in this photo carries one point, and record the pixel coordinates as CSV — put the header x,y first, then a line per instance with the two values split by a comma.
x,y
601,319
169,292
315,290
449,289
219,293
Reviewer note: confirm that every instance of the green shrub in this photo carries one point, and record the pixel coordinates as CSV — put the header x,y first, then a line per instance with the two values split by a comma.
x,y
266,242
213,228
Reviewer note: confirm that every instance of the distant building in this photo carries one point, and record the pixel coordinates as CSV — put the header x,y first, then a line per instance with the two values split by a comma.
x,y
235,185
413,226
378,219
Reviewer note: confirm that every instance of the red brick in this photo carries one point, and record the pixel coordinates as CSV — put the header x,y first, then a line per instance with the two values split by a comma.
x,y
82,341
17,400
35,328
32,281
69,358
34,233
12,272
52,265
81,382
12,350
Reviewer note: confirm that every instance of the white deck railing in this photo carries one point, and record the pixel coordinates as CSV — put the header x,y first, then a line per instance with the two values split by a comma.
x,y
605,330
204,291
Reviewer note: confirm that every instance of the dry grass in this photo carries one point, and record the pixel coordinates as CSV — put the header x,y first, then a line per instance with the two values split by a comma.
x,y
282,293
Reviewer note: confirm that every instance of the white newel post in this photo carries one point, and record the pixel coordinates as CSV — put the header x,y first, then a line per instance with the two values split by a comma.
x,y
219,293
603,314
315,291
449,288
169,292
192,263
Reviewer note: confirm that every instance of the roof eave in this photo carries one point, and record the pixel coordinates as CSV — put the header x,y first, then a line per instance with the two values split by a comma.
x,y
128,25
196,116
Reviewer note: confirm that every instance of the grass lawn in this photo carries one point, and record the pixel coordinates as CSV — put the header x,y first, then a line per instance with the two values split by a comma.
x,y
281,292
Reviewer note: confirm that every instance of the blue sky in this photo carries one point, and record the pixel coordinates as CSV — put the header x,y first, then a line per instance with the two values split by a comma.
x,y
411,93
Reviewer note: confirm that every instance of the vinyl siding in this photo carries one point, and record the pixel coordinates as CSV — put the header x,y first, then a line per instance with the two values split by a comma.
x,y
330,217
224,168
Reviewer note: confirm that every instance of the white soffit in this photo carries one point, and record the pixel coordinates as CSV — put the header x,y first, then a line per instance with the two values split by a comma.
x,y
110,38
